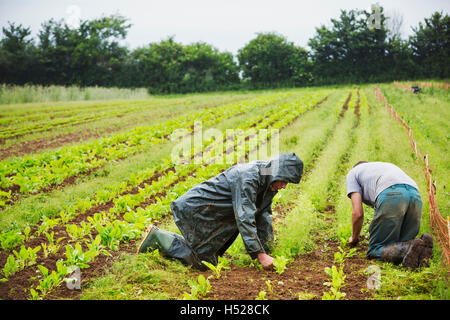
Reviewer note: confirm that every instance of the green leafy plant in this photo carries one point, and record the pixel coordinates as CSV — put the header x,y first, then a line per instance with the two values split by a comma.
x,y
261,295
4,196
222,264
269,286
26,257
341,256
11,239
112,233
34,295
76,256
47,224
199,288
337,282
11,266
280,264
78,232
27,234
52,247
96,245
49,281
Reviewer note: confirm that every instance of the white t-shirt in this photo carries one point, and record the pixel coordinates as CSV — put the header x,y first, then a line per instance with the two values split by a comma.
x,y
370,179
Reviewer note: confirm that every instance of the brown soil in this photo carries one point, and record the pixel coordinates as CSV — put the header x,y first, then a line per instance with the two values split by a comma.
x,y
32,146
345,106
357,110
304,276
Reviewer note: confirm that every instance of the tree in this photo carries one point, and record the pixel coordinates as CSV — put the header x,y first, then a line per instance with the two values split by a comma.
x,y
86,56
17,55
205,68
170,67
270,59
350,50
430,45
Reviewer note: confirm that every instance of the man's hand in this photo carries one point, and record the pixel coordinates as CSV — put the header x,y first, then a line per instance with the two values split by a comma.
x,y
265,260
352,241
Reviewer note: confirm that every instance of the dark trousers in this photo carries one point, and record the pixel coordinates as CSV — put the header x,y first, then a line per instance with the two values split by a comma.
x,y
398,211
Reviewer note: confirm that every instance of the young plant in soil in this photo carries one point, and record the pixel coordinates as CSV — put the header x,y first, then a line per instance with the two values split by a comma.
x,y
336,283
280,264
337,275
52,247
222,264
199,288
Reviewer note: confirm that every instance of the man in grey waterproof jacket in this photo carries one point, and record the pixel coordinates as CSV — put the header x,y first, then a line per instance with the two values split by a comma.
x,y
213,213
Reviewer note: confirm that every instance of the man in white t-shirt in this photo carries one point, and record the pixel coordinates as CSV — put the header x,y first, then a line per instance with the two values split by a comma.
x,y
398,211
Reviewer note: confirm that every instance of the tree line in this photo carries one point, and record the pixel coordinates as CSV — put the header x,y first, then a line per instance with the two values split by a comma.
x,y
347,51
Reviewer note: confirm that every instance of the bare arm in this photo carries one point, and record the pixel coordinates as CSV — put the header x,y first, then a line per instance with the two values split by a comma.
x,y
357,217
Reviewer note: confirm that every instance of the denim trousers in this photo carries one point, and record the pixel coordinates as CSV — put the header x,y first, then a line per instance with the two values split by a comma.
x,y
398,211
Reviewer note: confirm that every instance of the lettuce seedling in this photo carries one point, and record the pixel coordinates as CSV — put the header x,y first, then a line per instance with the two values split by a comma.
x,y
11,239
280,264
222,264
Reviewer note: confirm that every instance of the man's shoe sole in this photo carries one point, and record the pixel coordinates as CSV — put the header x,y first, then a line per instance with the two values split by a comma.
x,y
427,253
148,230
412,257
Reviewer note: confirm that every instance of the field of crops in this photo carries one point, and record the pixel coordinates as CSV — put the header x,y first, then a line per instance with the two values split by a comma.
x,y
81,181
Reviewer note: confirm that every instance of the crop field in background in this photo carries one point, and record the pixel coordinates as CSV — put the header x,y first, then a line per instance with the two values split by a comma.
x,y
81,181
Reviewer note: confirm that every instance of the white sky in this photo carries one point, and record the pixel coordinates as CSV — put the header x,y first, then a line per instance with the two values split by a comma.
x,y
227,25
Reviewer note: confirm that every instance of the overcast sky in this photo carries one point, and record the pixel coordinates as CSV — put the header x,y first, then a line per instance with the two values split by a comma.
x,y
227,25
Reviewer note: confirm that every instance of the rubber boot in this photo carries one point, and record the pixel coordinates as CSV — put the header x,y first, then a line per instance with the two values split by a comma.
x,y
170,245
395,252
427,253
413,256
155,240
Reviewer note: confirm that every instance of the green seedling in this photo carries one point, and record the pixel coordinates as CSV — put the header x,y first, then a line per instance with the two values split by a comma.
x,y
26,257
261,295
222,264
52,247
280,264
114,232
50,281
78,232
76,256
4,196
198,289
11,266
341,256
34,295
336,283
11,239
305,296
47,224
64,216
95,245
269,286
26,233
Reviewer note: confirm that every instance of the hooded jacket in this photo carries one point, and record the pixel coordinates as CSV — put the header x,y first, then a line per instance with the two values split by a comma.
x,y
212,214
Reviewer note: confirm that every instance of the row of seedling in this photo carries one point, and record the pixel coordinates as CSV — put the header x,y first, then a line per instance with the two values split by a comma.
x,y
127,231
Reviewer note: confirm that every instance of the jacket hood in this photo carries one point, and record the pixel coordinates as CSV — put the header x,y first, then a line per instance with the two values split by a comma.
x,y
286,167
